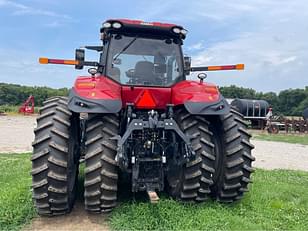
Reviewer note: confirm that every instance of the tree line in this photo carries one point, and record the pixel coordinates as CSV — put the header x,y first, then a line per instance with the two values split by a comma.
x,y
287,102
14,94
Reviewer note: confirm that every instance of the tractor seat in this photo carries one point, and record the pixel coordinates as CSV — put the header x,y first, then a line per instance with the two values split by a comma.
x,y
115,73
144,72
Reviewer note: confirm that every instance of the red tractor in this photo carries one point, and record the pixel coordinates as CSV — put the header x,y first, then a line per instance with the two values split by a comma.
x,y
138,117
28,106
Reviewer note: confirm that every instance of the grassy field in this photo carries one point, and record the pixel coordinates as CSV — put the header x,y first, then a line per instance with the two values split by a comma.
x,y
278,201
13,110
288,138
9,109
15,198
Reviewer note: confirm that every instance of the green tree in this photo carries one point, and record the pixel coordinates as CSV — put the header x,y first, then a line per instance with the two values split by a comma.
x,y
13,94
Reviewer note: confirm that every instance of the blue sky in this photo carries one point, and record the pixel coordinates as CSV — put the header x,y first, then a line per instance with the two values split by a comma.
x,y
269,36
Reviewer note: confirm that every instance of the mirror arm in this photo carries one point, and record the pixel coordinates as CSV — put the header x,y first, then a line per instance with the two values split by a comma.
x,y
90,63
193,69
94,48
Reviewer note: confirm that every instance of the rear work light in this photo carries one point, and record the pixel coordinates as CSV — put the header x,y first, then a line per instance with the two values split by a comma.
x,y
116,25
184,32
176,30
107,25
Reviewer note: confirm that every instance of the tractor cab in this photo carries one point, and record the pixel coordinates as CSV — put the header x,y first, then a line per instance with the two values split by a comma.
x,y
141,64
139,53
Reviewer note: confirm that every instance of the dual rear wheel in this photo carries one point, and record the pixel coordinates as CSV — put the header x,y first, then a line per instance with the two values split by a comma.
x,y
55,160
221,168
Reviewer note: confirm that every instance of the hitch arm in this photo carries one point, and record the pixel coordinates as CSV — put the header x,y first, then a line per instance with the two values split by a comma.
x,y
218,68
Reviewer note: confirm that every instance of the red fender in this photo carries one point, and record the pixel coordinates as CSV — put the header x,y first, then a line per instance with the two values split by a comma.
x,y
95,95
194,91
199,98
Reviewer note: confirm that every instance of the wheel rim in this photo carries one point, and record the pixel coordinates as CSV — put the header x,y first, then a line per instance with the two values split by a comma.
x,y
218,151
73,163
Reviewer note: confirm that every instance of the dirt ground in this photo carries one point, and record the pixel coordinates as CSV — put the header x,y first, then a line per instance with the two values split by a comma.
x,y
77,220
16,135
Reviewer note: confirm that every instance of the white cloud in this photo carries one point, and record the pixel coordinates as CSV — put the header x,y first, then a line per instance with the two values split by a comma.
x,y
21,9
269,36
26,70
183,11
196,47
54,24
270,65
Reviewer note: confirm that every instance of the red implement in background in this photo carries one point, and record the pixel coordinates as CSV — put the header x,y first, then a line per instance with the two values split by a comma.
x,y
28,106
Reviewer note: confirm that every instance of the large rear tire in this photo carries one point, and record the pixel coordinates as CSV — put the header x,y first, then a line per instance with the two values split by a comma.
x,y
193,182
55,158
233,157
247,148
101,171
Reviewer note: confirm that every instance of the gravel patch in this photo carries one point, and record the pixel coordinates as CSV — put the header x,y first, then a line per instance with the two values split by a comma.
x,y
16,136
279,155
16,133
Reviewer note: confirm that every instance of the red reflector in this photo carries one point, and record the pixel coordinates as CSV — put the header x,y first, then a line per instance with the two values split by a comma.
x,y
146,100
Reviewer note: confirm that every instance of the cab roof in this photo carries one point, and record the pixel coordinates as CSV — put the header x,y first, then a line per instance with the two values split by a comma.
x,y
141,27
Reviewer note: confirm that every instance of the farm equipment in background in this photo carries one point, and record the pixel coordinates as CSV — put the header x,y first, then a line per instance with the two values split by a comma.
x,y
28,106
305,114
261,116
287,124
254,111
144,120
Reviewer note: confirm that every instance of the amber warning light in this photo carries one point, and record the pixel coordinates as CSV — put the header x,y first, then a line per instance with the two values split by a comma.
x,y
219,68
58,61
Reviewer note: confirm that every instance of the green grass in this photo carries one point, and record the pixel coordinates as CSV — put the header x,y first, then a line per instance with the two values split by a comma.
x,y
278,200
9,109
16,207
288,138
13,110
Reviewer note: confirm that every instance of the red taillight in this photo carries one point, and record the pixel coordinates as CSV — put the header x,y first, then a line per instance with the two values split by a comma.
x,y
211,90
146,100
85,85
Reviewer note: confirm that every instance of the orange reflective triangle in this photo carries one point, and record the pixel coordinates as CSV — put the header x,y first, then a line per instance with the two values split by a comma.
x,y
146,100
